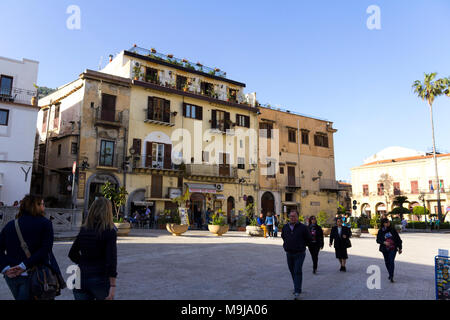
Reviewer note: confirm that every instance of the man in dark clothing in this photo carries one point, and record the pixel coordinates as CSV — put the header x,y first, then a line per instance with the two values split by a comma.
x,y
390,243
296,237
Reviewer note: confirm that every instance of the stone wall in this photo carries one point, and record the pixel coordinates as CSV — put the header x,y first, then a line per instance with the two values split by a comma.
x,y
62,219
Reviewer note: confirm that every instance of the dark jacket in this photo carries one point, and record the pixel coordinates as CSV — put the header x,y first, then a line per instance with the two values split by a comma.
x,y
95,253
38,234
295,241
319,236
381,238
339,241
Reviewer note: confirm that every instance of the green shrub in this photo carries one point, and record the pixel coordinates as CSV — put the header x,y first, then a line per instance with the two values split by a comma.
x,y
218,219
322,219
254,222
363,221
375,221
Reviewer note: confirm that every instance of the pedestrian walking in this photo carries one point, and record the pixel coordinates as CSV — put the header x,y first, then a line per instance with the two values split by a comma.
x,y
269,224
316,241
390,243
295,237
261,222
275,226
341,235
26,245
95,252
404,224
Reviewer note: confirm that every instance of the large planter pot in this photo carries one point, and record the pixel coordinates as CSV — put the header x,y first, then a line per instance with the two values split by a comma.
x,y
123,229
218,230
254,231
326,232
356,232
176,229
373,231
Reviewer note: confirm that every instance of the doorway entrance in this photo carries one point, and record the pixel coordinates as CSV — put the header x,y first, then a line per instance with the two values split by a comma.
x,y
230,210
267,203
197,208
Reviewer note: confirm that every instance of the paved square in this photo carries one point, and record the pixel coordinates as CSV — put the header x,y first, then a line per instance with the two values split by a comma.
x,y
152,264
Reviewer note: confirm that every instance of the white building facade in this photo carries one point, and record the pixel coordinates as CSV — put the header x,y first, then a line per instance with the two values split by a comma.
x,y
398,171
17,127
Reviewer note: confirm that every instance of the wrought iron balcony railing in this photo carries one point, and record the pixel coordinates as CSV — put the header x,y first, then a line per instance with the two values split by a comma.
x,y
211,170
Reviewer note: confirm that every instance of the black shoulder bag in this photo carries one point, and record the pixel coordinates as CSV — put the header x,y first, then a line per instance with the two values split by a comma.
x,y
44,282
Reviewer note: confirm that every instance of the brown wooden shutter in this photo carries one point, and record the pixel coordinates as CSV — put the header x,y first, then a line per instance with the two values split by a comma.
x,y
213,119
227,120
108,107
166,114
150,108
157,186
184,109
199,113
247,122
148,157
137,146
167,156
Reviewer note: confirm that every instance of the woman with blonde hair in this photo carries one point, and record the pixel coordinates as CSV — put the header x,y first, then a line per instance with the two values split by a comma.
x,y
95,252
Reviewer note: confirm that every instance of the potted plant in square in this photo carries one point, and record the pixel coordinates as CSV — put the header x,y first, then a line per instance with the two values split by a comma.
x,y
356,231
323,221
118,198
253,229
174,225
218,224
375,225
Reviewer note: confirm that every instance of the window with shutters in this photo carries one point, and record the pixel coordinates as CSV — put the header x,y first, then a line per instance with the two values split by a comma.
x,y
380,189
265,130
158,109
74,148
242,121
192,111
136,146
321,140
270,169
414,187
106,153
181,82
305,137
56,117
108,107
220,120
44,121
292,135
397,188
365,190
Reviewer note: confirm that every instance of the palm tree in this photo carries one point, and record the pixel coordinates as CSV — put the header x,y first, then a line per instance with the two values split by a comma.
x,y
428,91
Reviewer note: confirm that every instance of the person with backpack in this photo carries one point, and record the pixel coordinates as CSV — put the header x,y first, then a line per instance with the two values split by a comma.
x,y
95,252
317,241
26,253
390,243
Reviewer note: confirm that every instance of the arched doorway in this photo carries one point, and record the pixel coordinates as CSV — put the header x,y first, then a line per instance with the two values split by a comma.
x,y
230,210
267,203
93,187
196,208
365,210
380,208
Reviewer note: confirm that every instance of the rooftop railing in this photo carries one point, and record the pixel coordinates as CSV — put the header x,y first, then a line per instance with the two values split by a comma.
x,y
179,62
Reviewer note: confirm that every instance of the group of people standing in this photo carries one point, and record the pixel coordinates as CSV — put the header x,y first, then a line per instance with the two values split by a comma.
x,y
269,224
297,237
26,244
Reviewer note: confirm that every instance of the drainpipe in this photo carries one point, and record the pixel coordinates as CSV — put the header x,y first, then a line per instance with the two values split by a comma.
x,y
46,148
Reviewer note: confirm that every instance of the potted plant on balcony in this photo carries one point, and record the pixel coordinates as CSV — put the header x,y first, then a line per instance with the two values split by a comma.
x,y
137,71
218,224
186,87
118,198
375,225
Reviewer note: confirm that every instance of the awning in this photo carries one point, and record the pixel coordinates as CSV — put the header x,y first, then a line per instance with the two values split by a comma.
x,y
201,188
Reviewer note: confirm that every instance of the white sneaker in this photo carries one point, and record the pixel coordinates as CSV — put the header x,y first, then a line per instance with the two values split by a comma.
x,y
296,296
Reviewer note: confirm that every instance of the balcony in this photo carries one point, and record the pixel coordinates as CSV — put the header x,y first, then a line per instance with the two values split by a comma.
x,y
211,171
292,183
107,119
166,119
329,184
18,95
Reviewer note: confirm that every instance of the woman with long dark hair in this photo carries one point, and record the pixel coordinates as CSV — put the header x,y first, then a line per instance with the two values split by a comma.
x,y
37,234
95,252
316,243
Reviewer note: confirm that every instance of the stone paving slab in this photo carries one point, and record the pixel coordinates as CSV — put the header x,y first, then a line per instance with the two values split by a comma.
x,y
152,264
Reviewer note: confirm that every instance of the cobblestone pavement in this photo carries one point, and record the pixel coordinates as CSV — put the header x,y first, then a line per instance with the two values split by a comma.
x,y
152,264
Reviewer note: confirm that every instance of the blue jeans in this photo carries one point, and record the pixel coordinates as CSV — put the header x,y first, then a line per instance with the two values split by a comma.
x,y
95,288
295,264
20,287
389,258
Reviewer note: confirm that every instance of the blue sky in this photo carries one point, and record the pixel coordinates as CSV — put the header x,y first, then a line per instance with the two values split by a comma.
x,y
314,57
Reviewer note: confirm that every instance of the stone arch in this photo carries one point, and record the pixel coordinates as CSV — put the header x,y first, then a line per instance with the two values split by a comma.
x,y
366,209
380,207
136,195
98,177
268,202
